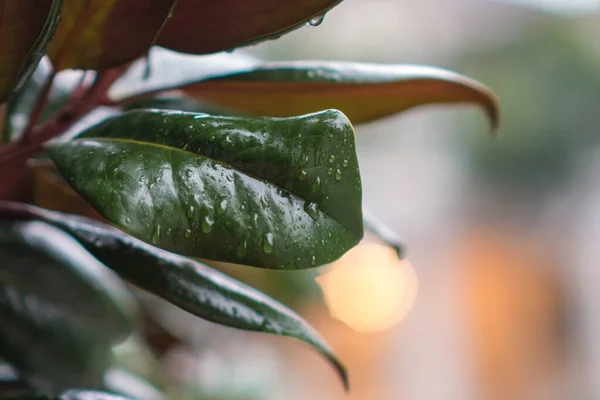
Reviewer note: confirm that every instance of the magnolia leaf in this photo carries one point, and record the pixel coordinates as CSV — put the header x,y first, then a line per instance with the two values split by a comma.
x,y
101,34
42,261
267,192
187,283
364,92
46,345
26,27
203,27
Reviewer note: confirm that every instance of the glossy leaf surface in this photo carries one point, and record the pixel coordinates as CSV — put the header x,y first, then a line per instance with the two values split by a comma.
x,y
164,68
26,27
205,26
46,345
271,193
42,261
364,92
186,283
101,34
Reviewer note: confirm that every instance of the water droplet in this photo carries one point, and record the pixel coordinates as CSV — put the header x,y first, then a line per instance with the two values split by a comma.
x,y
241,251
345,163
331,159
338,175
313,261
308,239
221,207
304,160
316,21
156,234
188,233
268,243
263,203
329,171
190,212
127,220
316,185
255,220
302,175
207,224
312,209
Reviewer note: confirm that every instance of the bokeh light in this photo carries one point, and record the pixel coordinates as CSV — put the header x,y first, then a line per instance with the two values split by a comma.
x,y
370,289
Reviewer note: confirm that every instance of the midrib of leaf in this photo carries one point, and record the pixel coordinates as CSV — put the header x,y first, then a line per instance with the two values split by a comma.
x,y
223,164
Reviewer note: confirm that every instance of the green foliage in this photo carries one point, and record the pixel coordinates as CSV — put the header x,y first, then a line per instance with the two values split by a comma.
x,y
220,157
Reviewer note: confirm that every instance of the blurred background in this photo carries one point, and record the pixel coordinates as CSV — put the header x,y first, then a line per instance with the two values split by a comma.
x,y
499,297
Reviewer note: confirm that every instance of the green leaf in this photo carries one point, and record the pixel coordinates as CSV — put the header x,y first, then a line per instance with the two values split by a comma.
x,y
190,285
202,27
42,261
160,64
101,34
364,92
26,27
44,343
267,192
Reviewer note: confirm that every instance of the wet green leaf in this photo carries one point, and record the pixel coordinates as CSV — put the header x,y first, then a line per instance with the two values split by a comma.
x,y
186,283
267,192
101,34
43,262
45,344
26,27
364,92
202,27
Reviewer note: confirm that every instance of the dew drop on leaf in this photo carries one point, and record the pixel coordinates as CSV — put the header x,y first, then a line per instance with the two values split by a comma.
x,y
329,171
313,261
316,186
268,243
316,21
345,163
156,234
338,175
312,210
302,175
127,220
207,224
190,212
241,251
331,159
221,207
188,233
